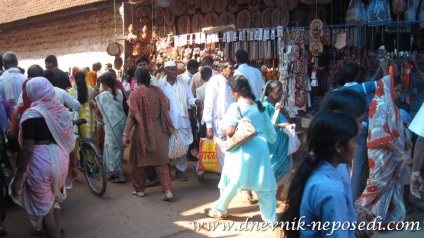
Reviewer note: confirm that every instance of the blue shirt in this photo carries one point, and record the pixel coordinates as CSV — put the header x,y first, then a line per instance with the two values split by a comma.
x,y
327,196
365,90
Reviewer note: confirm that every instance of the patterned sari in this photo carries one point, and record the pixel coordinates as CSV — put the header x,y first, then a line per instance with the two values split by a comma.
x,y
114,122
42,183
383,196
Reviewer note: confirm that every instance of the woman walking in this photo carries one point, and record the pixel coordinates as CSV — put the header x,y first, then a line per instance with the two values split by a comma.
x,y
47,137
149,115
110,104
247,168
280,161
388,153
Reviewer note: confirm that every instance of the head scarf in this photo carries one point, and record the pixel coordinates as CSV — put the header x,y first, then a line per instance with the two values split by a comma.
x,y
385,122
41,93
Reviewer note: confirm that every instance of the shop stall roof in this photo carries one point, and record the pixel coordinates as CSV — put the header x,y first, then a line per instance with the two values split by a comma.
x,y
14,10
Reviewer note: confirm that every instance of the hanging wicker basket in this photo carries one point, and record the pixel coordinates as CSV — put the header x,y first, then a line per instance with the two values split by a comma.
x,y
115,49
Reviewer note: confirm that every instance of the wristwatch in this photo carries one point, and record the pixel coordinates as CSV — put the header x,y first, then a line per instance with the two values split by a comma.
x,y
416,173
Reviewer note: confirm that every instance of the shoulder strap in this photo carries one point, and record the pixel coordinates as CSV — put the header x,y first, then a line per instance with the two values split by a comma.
x,y
239,111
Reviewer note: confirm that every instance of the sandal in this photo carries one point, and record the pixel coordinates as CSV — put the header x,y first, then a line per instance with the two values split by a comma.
x,y
140,194
212,212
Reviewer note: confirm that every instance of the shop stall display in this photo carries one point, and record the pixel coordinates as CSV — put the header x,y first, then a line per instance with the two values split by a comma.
x,y
302,43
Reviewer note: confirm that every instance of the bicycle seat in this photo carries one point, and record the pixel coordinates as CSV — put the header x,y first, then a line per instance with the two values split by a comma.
x,y
79,121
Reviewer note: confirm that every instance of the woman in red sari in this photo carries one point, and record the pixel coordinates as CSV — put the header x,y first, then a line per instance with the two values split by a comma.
x,y
388,153
149,115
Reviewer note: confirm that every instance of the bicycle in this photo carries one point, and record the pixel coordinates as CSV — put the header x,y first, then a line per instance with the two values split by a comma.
x,y
90,162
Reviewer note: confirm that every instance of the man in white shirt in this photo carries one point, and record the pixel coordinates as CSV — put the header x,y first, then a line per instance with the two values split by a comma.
x,y
217,100
196,80
191,69
180,97
61,95
252,74
144,62
11,80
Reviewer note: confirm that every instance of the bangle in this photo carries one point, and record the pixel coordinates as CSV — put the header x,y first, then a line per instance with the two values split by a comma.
x,y
124,134
416,173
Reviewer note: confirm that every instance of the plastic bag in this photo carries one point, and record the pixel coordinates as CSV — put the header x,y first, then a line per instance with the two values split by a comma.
x,y
379,11
176,146
294,142
208,158
356,13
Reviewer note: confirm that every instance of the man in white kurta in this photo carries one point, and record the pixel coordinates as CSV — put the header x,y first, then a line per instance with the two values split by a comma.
x,y
252,74
217,100
11,80
180,97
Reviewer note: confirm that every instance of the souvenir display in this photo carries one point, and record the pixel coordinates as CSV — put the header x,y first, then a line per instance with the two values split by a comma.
x,y
286,40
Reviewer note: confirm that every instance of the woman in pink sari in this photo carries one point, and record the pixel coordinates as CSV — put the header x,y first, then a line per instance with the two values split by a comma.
x,y
388,153
46,138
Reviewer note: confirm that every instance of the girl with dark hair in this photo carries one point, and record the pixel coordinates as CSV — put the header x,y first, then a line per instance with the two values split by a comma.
x,y
319,192
280,161
149,115
85,96
247,168
109,103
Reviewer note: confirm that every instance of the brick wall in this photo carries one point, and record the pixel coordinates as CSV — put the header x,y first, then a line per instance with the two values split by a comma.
x,y
78,40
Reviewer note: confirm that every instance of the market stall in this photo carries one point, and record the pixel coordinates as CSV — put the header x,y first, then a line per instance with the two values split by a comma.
x,y
299,42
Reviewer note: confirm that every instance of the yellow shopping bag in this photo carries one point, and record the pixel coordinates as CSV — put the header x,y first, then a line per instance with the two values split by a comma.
x,y
208,159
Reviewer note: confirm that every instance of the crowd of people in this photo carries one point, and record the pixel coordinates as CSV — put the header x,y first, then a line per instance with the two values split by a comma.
x,y
359,130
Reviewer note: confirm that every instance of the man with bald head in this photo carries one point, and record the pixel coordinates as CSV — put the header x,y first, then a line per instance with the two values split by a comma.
x,y
11,80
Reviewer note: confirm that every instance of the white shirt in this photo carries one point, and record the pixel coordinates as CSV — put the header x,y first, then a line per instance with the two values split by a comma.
x,y
67,100
153,81
63,97
17,79
254,76
186,76
174,112
217,100
417,124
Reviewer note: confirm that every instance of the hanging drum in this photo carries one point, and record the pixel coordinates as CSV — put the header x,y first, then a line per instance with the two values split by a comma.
x,y
197,23
244,19
207,6
256,19
266,17
219,5
179,7
287,5
279,18
227,18
184,25
118,62
115,49
271,3
211,19
169,17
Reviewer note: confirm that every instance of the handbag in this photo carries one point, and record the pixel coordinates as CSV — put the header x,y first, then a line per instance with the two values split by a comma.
x,y
244,132
294,142
176,146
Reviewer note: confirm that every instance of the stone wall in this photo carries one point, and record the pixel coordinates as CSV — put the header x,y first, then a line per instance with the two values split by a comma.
x,y
78,40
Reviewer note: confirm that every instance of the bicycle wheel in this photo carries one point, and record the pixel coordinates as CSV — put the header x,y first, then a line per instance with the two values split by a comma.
x,y
94,171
